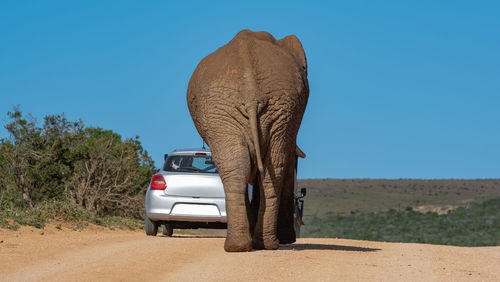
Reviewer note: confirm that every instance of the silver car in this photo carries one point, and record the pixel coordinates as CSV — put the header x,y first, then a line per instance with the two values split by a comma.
x,y
186,193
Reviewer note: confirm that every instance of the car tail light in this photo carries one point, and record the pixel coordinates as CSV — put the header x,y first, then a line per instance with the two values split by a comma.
x,y
158,182
200,154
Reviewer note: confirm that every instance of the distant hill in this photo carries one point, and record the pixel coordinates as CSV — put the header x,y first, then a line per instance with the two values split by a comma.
x,y
345,195
451,212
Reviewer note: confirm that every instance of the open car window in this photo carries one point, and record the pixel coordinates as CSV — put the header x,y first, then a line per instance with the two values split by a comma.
x,y
190,163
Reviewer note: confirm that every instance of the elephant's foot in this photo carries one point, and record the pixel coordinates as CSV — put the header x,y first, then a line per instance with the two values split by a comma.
x,y
287,240
234,245
286,236
269,244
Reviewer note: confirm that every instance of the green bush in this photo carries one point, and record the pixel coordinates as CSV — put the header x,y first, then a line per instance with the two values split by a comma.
x,y
66,162
64,170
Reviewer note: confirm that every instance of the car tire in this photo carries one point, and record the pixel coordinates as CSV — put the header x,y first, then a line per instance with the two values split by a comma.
x,y
167,230
151,227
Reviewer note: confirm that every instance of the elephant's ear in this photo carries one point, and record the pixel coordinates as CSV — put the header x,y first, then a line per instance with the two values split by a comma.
x,y
299,152
292,43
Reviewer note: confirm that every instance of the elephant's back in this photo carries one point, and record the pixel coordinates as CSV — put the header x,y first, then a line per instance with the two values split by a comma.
x,y
272,67
252,72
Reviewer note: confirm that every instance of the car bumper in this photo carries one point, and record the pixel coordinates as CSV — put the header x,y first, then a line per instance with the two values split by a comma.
x,y
161,207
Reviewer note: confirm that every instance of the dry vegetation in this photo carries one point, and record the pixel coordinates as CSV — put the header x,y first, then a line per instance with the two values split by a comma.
x,y
373,195
449,212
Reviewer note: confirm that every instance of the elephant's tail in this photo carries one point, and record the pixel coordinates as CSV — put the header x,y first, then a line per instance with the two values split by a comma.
x,y
250,89
252,118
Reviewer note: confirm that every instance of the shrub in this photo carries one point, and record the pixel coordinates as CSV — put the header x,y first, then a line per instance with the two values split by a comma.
x,y
75,167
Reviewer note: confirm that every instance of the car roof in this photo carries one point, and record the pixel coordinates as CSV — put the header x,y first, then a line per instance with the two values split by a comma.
x,y
190,151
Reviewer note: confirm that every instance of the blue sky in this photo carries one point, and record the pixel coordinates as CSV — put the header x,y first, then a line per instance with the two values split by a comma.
x,y
398,89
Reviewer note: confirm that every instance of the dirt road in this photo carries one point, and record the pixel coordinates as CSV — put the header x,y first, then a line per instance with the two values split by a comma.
x,y
97,253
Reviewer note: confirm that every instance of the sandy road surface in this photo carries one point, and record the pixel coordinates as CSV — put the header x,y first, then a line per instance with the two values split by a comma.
x,y
96,253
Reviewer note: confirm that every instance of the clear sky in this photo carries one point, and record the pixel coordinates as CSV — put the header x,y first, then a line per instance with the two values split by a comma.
x,y
398,89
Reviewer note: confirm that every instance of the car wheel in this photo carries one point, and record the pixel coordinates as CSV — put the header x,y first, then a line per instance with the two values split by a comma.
x,y
167,230
151,227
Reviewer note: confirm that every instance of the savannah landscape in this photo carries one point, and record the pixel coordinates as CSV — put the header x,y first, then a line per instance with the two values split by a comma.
x,y
355,229
76,249
72,195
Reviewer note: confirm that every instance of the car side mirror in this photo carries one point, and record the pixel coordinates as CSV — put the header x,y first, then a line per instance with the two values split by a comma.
x,y
303,192
165,157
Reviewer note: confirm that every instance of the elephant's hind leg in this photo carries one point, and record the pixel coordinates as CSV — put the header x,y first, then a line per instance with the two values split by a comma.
x,y
264,236
233,163
286,231
277,180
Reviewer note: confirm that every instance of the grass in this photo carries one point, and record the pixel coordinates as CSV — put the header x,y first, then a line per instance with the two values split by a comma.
x,y
373,195
120,222
49,211
451,212
476,225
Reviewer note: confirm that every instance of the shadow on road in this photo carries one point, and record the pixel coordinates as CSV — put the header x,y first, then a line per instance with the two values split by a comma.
x,y
194,236
294,247
302,247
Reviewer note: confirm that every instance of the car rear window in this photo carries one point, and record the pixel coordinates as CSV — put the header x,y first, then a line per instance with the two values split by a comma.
x,y
190,163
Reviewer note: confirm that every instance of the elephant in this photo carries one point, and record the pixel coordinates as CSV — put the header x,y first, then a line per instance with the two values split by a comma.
x,y
247,100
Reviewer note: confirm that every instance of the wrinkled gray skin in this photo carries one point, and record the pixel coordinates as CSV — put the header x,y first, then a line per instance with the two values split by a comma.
x,y
247,100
